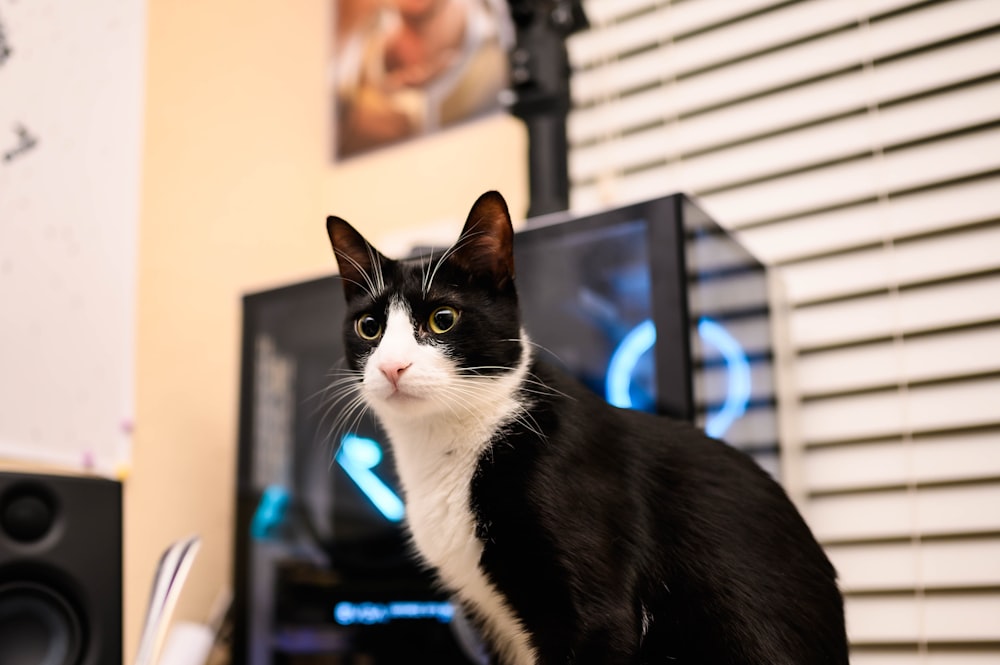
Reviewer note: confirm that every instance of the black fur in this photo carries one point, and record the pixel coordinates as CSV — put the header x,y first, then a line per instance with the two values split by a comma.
x,y
613,511
616,536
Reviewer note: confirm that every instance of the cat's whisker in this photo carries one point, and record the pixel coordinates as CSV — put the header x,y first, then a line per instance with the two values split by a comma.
x,y
346,423
341,373
359,415
530,424
360,286
335,385
345,384
336,410
424,265
546,389
354,376
354,400
525,340
520,414
462,242
482,383
475,370
335,393
377,266
529,378
452,400
334,388
339,367
426,269
469,397
370,290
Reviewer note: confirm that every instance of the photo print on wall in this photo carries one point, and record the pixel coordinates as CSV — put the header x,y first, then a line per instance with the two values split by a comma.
x,y
402,69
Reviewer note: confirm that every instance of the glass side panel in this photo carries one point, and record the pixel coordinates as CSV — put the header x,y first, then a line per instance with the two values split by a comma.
x,y
731,340
586,302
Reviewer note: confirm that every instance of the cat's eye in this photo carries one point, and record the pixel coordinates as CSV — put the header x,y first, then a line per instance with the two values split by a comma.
x,y
368,327
443,319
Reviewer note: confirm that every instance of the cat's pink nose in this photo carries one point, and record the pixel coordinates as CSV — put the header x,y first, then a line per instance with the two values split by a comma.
x,y
393,370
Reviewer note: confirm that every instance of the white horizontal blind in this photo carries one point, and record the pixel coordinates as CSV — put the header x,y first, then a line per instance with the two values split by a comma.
x,y
854,145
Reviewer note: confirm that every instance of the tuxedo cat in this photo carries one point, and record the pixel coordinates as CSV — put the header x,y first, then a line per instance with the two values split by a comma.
x,y
570,530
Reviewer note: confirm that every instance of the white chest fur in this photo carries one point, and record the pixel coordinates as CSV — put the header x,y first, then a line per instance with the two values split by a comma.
x,y
436,481
437,450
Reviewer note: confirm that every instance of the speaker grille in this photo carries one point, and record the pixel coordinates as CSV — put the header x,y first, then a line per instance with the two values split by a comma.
x,y
38,626
60,570
27,512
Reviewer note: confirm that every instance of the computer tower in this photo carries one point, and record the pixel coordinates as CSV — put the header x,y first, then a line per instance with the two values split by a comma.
x,y
651,305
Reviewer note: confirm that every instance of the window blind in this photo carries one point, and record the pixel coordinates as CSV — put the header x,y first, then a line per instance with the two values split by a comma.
x,y
853,145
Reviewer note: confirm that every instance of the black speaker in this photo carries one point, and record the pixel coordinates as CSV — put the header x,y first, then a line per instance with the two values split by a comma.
x,y
60,570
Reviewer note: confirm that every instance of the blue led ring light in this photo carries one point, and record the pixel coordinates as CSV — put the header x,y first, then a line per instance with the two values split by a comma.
x,y
641,339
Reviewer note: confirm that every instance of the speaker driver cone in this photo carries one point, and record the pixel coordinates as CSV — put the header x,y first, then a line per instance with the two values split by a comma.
x,y
37,626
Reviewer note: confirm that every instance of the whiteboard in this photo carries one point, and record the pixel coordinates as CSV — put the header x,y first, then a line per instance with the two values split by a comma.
x,y
71,93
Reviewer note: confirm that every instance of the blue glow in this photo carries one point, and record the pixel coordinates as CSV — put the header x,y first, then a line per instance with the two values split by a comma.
x,y
638,341
270,512
358,456
641,339
737,377
370,614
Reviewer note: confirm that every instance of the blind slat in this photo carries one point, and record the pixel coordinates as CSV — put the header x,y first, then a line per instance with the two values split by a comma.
x,y
650,27
796,149
876,567
606,11
884,414
936,511
871,222
940,564
938,656
840,50
966,302
605,43
936,459
758,33
937,257
922,165
950,618
910,168
829,97
763,32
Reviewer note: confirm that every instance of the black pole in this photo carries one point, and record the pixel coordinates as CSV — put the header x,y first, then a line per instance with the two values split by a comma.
x,y
540,74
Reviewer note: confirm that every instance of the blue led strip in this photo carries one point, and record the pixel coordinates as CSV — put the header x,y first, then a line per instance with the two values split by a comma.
x,y
641,339
358,456
270,512
370,614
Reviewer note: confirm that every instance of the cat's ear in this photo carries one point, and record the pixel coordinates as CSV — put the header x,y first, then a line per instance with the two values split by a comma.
x,y
486,246
360,263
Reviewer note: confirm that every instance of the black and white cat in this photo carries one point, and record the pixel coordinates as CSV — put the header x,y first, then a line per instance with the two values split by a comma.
x,y
571,530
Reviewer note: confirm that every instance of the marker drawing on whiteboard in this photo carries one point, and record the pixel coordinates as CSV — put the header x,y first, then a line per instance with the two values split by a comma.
x,y
5,51
25,143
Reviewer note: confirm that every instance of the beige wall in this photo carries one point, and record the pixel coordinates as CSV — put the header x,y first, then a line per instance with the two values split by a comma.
x,y
236,187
